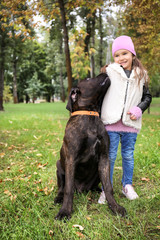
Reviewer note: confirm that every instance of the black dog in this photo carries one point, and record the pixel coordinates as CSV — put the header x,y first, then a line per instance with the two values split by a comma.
x,y
84,159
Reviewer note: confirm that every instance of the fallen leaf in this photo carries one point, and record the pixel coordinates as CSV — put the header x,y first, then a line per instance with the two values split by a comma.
x,y
39,181
40,165
11,147
39,189
158,227
2,155
51,233
13,198
24,129
37,138
78,226
80,234
119,168
88,218
145,179
3,144
8,179
39,155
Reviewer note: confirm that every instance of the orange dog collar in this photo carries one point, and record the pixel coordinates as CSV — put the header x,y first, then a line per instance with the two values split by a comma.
x,y
91,113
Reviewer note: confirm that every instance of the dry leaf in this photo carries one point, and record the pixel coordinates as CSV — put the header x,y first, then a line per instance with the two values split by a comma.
x,y
7,192
158,227
37,138
80,234
39,155
119,168
145,179
2,155
88,218
51,233
39,190
4,144
39,181
41,165
78,226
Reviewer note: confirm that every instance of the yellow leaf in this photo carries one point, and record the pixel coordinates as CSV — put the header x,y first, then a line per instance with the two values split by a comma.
x,y
39,155
78,226
2,155
145,179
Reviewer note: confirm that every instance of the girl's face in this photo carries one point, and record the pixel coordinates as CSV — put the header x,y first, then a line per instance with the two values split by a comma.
x,y
124,58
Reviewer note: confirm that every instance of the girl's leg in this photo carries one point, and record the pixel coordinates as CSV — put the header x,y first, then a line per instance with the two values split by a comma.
x,y
114,142
128,141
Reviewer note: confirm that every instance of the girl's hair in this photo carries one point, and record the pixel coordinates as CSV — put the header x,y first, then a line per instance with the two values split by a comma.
x,y
136,64
143,72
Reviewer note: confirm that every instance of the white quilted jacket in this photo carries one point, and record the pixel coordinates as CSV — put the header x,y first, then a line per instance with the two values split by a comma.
x,y
123,94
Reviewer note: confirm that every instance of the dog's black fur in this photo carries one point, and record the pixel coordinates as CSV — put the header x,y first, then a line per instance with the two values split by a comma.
x,y
84,159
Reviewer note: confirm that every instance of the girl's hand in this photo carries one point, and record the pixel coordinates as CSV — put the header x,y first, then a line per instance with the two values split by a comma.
x,y
135,113
132,116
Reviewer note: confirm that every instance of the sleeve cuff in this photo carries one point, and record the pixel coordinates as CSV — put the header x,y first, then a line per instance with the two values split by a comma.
x,y
136,111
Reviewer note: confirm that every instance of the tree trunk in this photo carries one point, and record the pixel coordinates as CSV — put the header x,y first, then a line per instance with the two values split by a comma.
x,y
101,41
93,44
15,96
67,51
2,59
61,75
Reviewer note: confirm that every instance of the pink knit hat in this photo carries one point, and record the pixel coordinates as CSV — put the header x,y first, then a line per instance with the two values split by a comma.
x,y
123,42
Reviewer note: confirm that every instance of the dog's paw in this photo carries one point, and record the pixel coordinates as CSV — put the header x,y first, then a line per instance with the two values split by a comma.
x,y
121,211
63,215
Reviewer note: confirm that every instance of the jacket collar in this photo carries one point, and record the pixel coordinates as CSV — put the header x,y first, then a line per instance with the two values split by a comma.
x,y
117,67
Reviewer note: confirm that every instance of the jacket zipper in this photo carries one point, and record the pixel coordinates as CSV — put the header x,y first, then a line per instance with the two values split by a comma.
x,y
125,96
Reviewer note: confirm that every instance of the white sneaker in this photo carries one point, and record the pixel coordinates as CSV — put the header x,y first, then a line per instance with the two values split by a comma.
x,y
102,198
129,192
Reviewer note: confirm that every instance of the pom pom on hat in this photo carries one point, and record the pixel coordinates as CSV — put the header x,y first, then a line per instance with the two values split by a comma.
x,y
123,42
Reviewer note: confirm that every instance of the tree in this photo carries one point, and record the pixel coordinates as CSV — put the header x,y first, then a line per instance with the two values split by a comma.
x,y
141,22
35,87
14,23
63,9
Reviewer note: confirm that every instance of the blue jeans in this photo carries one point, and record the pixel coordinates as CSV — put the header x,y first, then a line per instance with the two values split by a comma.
x,y
128,141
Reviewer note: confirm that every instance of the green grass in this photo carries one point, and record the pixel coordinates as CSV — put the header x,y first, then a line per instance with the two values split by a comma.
x,y
30,140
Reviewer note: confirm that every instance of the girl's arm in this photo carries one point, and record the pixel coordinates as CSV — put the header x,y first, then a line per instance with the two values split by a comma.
x,y
136,112
146,99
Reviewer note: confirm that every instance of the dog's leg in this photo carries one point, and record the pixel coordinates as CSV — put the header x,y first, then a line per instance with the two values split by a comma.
x,y
66,209
104,173
61,183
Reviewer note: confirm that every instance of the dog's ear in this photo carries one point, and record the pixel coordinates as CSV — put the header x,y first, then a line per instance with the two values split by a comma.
x,y
73,96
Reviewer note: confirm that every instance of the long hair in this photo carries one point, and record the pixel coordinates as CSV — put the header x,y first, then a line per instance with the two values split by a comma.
x,y
142,72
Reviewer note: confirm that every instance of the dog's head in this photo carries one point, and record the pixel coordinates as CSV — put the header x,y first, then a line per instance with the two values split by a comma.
x,y
88,94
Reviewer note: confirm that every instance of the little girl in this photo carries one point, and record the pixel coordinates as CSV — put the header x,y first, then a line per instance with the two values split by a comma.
x,y
125,101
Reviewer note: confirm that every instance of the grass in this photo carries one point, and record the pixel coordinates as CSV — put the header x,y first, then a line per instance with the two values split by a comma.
x,y
30,140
